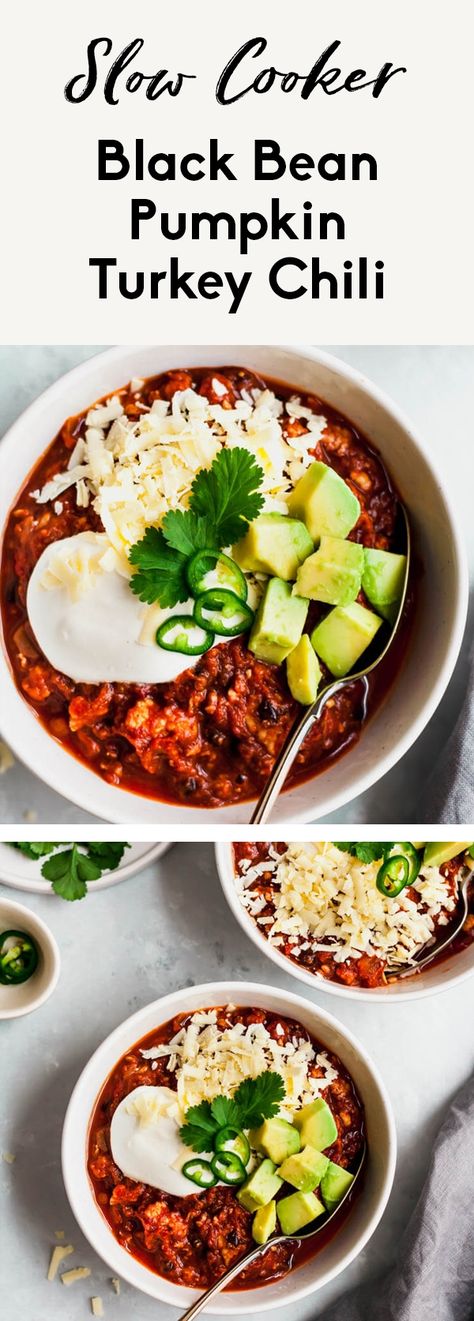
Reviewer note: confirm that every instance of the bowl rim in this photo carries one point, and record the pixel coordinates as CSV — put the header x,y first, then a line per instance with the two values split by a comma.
x,y
219,992
40,932
118,807
224,867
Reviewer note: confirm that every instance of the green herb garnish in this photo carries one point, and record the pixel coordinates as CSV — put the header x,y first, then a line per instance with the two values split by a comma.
x,y
365,851
69,870
224,499
256,1099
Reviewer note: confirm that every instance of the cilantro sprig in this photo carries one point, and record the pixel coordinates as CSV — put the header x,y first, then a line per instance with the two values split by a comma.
x,y
224,499
254,1100
70,870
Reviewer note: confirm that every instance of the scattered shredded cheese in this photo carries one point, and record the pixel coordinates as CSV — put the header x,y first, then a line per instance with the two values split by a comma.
x,y
208,1062
331,900
57,1256
97,1307
79,1273
8,1157
6,757
115,1284
134,471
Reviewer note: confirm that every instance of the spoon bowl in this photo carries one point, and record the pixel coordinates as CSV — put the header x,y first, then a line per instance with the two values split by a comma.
x,y
394,972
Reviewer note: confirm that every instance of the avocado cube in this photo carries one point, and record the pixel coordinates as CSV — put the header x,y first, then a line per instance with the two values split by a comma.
x,y
305,1170
260,1187
264,1223
343,636
297,1210
278,624
325,502
303,672
317,1125
275,1138
275,544
334,1185
435,854
383,577
333,574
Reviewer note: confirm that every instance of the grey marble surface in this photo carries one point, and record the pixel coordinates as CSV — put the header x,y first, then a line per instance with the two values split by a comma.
x,y
435,387
121,948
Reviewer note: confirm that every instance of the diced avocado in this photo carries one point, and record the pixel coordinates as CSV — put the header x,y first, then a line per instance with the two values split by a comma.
x,y
297,1210
344,635
305,1170
303,672
333,574
264,1223
317,1125
275,1138
435,854
334,1184
325,502
274,544
279,622
383,577
260,1187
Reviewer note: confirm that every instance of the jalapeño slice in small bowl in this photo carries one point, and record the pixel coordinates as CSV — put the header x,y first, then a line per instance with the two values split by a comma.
x,y
223,612
211,568
183,633
18,957
228,1168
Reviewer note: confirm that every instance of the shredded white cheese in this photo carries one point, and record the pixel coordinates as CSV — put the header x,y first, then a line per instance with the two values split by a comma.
x,y
57,1256
133,472
97,1307
208,1061
79,1273
331,900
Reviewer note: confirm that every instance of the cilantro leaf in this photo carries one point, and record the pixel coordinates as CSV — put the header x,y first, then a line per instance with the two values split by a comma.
x,y
107,856
188,532
225,1112
227,493
160,575
69,872
200,1128
366,851
35,850
259,1098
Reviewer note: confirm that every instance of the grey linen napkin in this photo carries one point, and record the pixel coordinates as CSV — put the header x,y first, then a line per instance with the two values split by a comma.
x,y
449,793
433,1277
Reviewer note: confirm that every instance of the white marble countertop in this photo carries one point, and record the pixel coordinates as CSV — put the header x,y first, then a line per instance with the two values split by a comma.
x,y
111,966
435,387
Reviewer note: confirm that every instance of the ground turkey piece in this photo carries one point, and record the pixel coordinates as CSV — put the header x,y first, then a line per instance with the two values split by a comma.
x,y
209,738
195,1240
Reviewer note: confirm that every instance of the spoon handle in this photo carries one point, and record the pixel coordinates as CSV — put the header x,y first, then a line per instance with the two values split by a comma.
x,y
289,751
229,1275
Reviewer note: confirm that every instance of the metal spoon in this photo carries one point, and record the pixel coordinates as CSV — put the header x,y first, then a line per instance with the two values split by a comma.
x,y
255,1252
310,714
397,971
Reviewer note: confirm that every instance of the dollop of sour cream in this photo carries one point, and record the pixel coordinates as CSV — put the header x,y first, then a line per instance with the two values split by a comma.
x,y
90,625
145,1141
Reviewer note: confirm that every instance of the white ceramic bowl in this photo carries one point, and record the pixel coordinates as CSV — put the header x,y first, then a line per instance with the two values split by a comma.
x,y
442,590
25,873
439,978
367,1209
22,999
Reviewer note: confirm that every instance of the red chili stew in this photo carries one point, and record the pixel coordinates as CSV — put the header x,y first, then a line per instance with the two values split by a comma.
x,y
193,1240
210,737
368,971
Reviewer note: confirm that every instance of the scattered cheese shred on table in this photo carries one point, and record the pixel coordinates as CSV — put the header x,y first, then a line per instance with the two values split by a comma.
x,y
8,1157
79,1273
57,1256
97,1307
115,1284
59,1233
6,757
